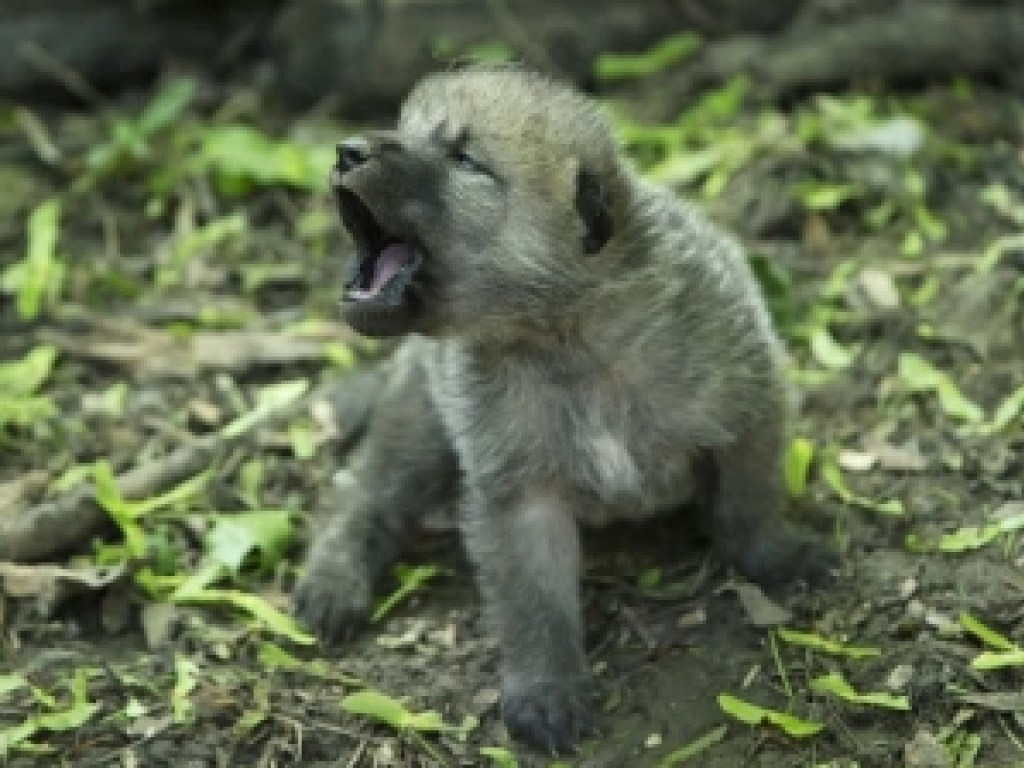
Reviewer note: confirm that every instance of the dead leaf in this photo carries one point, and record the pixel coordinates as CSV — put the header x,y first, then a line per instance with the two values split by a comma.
x,y
51,585
879,288
410,637
485,698
1007,510
761,610
149,726
893,458
900,677
158,619
698,617
997,701
856,461
21,491
205,412
925,751
445,637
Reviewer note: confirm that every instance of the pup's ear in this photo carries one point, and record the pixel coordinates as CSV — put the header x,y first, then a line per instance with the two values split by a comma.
x,y
592,207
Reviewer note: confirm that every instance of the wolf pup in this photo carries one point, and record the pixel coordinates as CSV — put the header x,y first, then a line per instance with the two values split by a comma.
x,y
581,347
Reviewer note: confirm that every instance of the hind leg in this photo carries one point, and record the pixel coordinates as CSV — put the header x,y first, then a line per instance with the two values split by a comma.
x,y
748,528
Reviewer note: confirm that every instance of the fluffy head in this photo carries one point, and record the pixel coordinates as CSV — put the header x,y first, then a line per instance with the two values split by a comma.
x,y
483,210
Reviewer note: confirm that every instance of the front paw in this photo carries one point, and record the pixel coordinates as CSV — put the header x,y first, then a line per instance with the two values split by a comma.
x,y
551,716
334,597
786,556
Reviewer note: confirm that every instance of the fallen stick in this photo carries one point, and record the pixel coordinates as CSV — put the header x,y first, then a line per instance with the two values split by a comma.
x,y
910,41
62,524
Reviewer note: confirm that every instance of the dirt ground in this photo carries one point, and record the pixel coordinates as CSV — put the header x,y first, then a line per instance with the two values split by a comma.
x,y
885,249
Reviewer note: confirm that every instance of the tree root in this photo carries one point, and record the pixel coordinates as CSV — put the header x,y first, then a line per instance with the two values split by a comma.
x,y
912,42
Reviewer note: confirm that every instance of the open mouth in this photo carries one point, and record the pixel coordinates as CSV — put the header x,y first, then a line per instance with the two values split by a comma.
x,y
386,264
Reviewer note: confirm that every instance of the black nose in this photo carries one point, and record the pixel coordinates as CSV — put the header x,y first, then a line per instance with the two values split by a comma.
x,y
353,152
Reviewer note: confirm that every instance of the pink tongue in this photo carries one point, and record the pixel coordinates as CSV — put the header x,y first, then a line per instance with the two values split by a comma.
x,y
387,265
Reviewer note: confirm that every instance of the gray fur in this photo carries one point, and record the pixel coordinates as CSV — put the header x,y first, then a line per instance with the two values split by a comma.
x,y
543,385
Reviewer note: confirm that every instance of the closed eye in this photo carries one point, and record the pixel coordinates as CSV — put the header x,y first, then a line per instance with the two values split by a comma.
x,y
468,161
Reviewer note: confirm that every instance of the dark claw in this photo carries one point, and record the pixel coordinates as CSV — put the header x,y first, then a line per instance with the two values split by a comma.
x,y
323,606
788,556
551,717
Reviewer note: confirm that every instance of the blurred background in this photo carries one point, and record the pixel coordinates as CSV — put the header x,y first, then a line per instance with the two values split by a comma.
x,y
169,344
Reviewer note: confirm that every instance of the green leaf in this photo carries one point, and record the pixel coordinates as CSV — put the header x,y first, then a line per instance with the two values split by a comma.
x,y
968,538
269,400
208,237
987,635
684,168
185,672
17,735
11,682
920,376
914,183
619,66
694,748
797,465
134,709
234,537
25,376
836,685
127,513
135,509
167,106
242,156
913,244
999,197
838,281
1007,412
998,248
500,756
19,382
489,52
390,711
75,716
974,537
25,411
274,657
263,612
410,580
39,276
716,106
108,496
649,579
998,660
930,226
824,196
833,477
250,479
752,714
303,439
67,719
964,747
829,352
340,356
833,647
110,402
80,685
